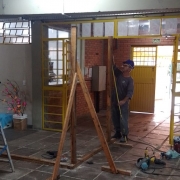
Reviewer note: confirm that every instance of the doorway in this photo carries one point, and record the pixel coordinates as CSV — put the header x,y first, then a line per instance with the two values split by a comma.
x,y
163,79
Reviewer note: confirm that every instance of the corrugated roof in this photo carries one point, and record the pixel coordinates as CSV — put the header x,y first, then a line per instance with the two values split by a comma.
x,y
85,15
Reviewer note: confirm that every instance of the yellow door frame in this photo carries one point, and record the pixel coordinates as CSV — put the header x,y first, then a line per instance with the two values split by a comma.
x,y
54,96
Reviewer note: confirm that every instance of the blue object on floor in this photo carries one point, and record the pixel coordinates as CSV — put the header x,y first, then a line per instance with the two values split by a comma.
x,y
5,118
173,153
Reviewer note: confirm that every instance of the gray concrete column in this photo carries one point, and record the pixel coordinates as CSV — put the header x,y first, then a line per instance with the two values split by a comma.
x,y
36,75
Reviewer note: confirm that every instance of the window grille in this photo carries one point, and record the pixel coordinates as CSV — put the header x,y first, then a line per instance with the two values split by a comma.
x,y
15,32
144,56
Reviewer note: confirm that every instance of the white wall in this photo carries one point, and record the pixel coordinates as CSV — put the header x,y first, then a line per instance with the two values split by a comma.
x,y
71,6
16,64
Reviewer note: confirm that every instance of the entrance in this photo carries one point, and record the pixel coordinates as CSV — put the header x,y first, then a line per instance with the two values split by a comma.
x,y
163,79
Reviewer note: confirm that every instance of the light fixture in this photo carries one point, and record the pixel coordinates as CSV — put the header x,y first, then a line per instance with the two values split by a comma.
x,y
167,36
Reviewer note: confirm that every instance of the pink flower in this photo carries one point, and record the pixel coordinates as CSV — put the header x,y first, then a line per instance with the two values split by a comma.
x,y
15,98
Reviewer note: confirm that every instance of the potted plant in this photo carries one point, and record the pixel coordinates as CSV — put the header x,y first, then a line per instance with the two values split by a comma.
x,y
15,99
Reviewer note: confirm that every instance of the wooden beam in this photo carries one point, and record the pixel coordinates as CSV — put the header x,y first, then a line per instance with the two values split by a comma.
x,y
109,85
96,120
65,127
93,152
73,112
39,160
120,171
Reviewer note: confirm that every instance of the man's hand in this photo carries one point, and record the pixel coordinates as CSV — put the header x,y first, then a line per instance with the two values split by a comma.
x,y
121,102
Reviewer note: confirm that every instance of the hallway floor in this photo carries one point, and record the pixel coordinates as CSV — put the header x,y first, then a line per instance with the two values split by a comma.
x,y
144,129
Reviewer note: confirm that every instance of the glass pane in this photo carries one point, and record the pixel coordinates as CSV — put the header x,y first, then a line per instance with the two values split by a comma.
x,y
178,76
6,32
60,55
1,25
60,65
52,45
25,24
20,40
7,25
25,32
1,39
60,45
7,40
177,88
25,39
52,55
144,27
13,40
52,33
19,24
12,25
13,32
178,66
19,32
63,34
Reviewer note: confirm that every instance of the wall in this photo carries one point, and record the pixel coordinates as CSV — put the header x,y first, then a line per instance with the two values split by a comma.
x,y
123,50
96,53
16,65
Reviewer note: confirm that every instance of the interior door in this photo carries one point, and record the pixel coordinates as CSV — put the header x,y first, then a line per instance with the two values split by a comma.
x,y
144,75
56,69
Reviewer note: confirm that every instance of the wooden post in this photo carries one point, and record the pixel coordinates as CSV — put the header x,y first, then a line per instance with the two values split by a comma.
x,y
73,112
65,127
96,121
109,85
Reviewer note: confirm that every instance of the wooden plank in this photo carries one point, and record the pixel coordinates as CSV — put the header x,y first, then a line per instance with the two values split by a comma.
x,y
96,120
94,151
65,127
108,92
73,112
39,160
119,171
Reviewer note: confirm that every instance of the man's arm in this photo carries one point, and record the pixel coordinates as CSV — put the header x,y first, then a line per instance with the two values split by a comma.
x,y
130,91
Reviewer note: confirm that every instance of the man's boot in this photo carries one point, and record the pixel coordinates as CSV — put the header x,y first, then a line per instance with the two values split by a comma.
x,y
117,135
123,139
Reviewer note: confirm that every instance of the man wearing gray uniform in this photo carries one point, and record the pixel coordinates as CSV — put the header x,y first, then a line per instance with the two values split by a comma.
x,y
125,89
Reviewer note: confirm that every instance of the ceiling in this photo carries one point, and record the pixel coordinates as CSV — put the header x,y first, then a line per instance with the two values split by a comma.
x,y
92,15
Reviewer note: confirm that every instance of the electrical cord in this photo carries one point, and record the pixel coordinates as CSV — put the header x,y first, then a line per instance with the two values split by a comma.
x,y
159,174
154,168
145,144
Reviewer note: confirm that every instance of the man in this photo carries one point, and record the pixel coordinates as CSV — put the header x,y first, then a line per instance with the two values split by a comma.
x,y
120,105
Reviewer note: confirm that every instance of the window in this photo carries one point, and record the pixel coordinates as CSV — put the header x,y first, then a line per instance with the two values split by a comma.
x,y
58,56
18,32
144,56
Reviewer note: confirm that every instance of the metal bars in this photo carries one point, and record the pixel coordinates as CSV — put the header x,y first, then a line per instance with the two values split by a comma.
x,y
18,32
56,68
175,103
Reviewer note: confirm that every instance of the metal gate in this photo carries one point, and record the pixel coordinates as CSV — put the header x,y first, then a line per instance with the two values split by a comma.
x,y
55,75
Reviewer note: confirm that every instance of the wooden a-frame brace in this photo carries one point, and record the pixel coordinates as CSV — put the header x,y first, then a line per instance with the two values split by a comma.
x,y
112,167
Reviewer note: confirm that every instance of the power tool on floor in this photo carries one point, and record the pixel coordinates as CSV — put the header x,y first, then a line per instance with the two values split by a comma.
x,y
144,163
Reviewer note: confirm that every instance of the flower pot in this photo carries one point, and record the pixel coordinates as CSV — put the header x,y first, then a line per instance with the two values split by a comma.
x,y
20,122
